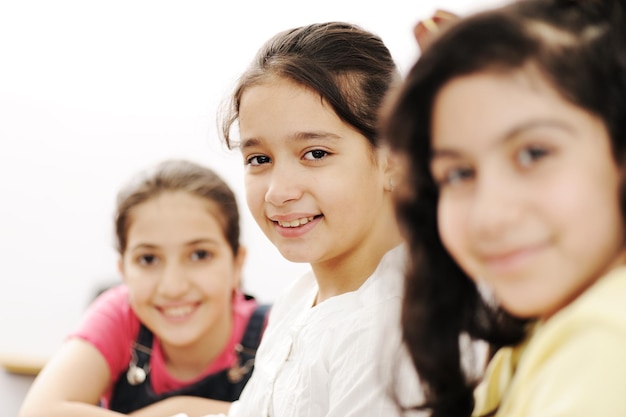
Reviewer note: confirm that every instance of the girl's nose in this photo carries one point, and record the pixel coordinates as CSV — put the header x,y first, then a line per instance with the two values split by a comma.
x,y
173,282
496,206
284,186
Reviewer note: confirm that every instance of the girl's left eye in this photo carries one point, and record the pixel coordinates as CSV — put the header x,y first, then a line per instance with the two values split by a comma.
x,y
315,155
257,160
200,254
531,154
147,259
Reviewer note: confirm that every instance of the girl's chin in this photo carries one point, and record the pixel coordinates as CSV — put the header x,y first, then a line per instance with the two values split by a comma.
x,y
296,257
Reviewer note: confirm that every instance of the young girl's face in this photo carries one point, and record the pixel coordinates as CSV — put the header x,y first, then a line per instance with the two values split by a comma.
x,y
180,270
312,181
528,189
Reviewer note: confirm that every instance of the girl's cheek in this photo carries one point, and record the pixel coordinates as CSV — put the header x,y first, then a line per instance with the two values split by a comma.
x,y
443,221
450,225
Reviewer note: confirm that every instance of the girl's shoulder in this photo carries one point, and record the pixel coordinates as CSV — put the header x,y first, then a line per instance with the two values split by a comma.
x,y
298,296
112,308
386,285
579,349
599,310
243,306
602,303
111,326
574,332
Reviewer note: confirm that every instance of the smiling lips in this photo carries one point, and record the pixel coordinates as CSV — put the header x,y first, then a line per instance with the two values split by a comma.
x,y
514,259
295,223
178,312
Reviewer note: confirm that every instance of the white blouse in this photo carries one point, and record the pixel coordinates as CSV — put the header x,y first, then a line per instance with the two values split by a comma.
x,y
326,360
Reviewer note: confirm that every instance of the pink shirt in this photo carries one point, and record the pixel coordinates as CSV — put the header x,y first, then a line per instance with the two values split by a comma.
x,y
111,326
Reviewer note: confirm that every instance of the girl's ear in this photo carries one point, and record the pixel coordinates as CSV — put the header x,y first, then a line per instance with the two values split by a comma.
x,y
391,168
240,259
120,268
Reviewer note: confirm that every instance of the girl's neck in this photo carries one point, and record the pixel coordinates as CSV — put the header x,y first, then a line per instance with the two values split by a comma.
x,y
348,272
619,260
189,362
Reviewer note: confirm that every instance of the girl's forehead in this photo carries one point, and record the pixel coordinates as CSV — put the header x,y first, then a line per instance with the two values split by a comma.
x,y
284,108
180,200
179,210
272,79
492,102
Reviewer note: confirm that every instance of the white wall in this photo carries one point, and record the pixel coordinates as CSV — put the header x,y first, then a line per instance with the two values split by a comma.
x,y
91,92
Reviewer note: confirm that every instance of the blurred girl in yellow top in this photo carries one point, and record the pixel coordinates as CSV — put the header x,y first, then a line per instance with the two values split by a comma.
x,y
512,127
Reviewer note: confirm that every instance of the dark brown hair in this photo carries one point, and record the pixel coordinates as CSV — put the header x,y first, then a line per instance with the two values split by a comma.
x,y
174,176
349,67
580,49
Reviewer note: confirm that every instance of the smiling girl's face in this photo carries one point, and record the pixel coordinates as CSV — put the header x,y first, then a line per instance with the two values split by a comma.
x,y
180,270
313,182
528,188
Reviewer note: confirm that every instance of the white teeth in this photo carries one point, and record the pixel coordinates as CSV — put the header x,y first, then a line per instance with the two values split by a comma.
x,y
296,223
178,311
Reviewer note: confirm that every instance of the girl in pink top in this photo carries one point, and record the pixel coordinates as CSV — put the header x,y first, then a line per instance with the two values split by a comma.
x,y
178,334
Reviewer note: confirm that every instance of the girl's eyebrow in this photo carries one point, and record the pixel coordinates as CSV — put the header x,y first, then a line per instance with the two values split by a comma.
x,y
535,124
200,241
249,143
299,136
142,245
444,153
508,136
315,135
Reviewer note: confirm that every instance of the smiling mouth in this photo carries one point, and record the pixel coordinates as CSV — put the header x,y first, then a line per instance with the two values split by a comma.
x,y
179,311
297,222
513,259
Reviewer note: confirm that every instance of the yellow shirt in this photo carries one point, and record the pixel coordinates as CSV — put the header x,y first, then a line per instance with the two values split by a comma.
x,y
571,365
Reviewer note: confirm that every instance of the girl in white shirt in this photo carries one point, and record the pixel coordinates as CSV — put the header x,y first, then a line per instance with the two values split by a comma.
x,y
319,186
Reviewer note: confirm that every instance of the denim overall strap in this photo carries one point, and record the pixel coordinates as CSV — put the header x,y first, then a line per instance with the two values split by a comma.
x,y
130,395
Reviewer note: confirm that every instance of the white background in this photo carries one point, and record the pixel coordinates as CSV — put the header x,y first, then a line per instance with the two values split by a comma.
x,y
93,91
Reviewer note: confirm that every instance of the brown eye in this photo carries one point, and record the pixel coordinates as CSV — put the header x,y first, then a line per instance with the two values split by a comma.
x,y
147,259
258,160
455,176
531,154
199,255
315,154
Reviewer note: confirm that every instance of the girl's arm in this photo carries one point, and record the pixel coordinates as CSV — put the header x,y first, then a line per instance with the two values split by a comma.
x,y
73,381
191,406
70,384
